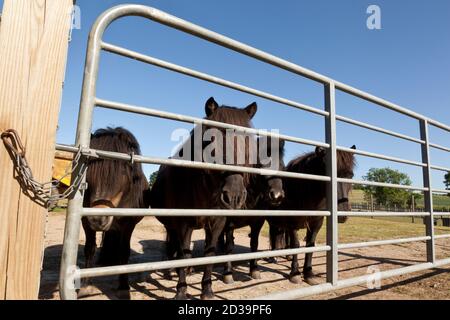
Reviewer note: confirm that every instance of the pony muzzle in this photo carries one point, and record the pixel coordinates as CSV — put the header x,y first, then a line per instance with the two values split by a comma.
x,y
101,223
233,200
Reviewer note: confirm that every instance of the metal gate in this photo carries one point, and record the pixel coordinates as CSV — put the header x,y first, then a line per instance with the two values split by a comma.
x,y
70,274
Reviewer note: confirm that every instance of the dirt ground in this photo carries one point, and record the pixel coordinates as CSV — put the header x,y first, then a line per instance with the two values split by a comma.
x,y
148,245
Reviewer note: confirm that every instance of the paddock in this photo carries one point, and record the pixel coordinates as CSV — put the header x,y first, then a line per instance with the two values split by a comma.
x,y
148,245
430,248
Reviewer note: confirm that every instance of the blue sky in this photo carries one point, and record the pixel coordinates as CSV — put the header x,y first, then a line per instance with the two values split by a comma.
x,y
407,62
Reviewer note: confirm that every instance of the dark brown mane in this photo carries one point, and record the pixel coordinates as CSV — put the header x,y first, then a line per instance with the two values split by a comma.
x,y
229,115
105,174
310,161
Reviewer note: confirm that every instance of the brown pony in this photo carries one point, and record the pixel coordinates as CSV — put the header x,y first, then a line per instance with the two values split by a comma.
x,y
309,195
180,188
113,184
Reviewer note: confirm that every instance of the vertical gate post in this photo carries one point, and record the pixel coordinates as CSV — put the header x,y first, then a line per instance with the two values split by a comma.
x,y
332,201
428,195
68,272
33,52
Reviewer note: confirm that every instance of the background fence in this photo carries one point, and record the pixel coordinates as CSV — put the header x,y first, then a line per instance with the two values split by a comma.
x,y
89,100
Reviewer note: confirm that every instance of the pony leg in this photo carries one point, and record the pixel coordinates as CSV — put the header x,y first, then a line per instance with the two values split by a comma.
x,y
171,250
229,246
89,253
275,241
124,256
184,251
294,276
212,233
287,244
221,243
254,238
308,274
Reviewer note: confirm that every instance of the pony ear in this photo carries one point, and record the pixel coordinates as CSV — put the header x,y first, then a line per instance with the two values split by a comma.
x,y
210,106
320,151
353,147
251,109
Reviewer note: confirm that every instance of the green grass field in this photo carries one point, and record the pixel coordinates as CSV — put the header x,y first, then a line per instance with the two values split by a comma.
x,y
358,229
439,201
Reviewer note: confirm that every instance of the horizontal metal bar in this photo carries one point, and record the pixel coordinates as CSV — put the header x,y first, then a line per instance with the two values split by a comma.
x,y
185,26
378,129
189,119
381,102
382,214
381,184
351,282
191,164
125,212
208,35
206,77
344,246
380,156
66,147
203,165
442,236
438,124
441,214
161,265
441,191
444,169
437,146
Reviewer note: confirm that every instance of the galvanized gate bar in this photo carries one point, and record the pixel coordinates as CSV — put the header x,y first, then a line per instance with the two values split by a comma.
x,y
382,214
437,124
381,184
381,102
351,282
203,165
441,191
161,265
380,156
444,169
127,212
206,77
437,146
355,245
88,101
198,165
183,118
442,236
331,169
378,129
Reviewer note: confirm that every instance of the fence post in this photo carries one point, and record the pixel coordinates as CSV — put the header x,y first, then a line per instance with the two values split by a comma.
x,y
332,201
33,52
428,195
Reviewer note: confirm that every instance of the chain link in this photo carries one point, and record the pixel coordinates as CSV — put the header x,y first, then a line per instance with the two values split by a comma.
x,y
41,193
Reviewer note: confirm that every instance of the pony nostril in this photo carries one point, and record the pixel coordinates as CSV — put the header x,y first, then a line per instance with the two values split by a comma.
x,y
276,195
225,198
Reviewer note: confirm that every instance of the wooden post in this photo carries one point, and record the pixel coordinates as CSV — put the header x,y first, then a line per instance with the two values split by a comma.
x,y
33,51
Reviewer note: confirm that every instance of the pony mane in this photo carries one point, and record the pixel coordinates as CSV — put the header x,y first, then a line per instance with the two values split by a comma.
x,y
346,162
103,172
224,114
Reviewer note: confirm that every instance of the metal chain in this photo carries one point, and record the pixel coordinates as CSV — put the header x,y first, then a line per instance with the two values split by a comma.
x,y
41,193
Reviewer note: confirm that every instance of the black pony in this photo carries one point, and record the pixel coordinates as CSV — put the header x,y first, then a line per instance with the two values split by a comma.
x,y
181,187
309,195
113,184
264,192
